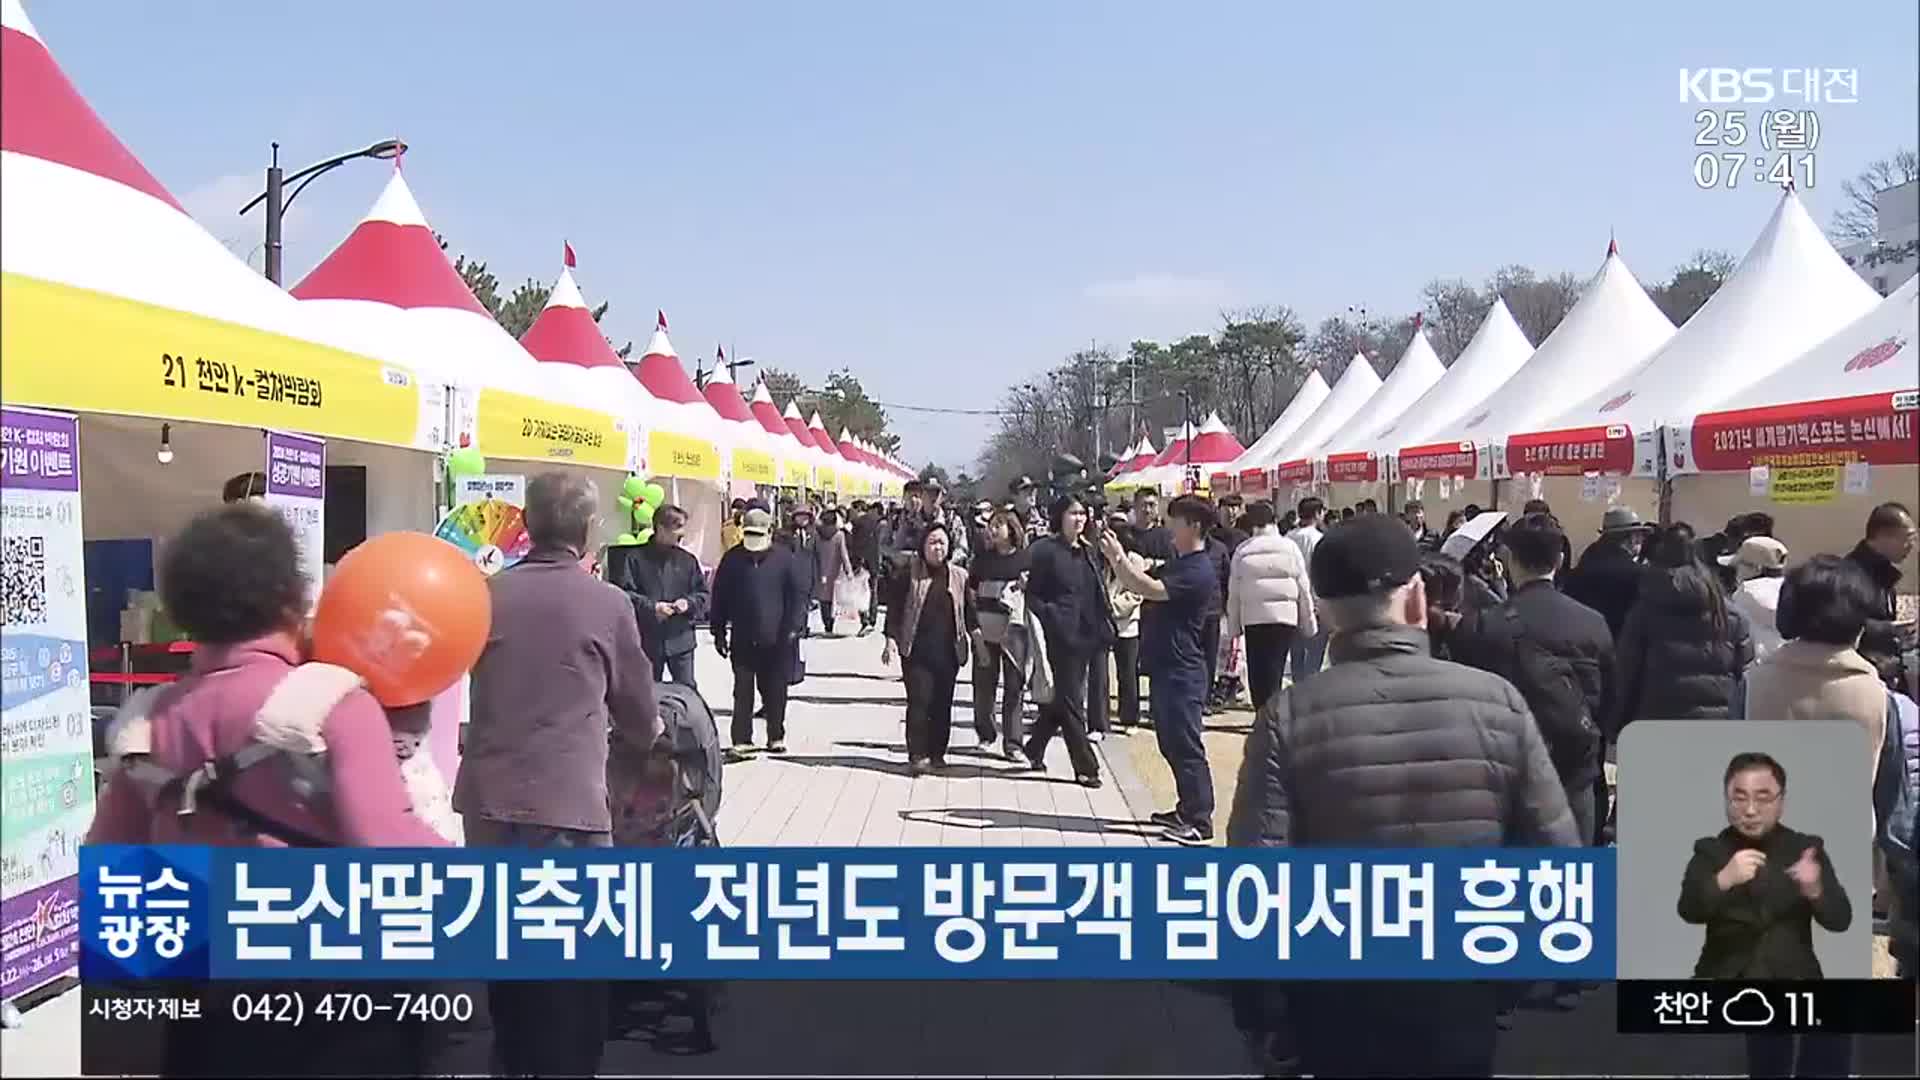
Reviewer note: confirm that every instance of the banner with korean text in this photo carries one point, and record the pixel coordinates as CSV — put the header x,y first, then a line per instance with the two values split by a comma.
x,y
297,488
46,730
234,913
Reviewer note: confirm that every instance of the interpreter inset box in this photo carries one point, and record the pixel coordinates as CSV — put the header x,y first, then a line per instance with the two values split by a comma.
x,y
1745,850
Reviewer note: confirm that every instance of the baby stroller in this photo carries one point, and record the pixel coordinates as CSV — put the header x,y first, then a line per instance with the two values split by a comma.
x,y
668,795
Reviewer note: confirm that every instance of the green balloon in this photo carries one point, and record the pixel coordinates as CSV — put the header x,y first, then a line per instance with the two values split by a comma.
x,y
642,514
465,462
643,536
627,540
633,487
653,495
626,504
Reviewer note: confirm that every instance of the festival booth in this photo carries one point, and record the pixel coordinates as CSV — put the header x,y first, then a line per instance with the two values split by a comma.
x,y
796,464
754,462
819,469
1791,291
1125,478
1346,457
1253,481
1164,473
865,477
1207,455
1441,473
1294,474
1818,443
689,449
834,481
145,365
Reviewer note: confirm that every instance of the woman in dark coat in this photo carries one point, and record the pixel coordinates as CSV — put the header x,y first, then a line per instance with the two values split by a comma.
x,y
1683,651
926,626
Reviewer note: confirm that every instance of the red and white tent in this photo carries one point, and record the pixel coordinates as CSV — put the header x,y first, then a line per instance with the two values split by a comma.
x,y
1791,291
685,411
787,445
1347,448
570,349
1819,441
1139,457
1498,350
1204,449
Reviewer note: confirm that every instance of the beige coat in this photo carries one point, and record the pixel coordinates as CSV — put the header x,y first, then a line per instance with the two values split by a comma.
x,y
1806,680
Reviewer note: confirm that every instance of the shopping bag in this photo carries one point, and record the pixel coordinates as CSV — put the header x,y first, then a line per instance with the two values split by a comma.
x,y
851,594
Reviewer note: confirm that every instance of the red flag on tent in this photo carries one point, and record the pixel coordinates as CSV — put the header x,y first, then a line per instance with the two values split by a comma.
x,y
567,256
720,354
1419,319
662,323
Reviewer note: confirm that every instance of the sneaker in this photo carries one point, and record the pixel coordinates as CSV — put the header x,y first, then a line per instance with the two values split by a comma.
x,y
1034,764
778,746
1091,783
987,738
919,767
1166,819
739,752
1014,753
1096,737
939,764
1189,836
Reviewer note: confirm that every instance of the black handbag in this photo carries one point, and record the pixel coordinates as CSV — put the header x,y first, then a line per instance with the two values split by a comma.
x,y
797,673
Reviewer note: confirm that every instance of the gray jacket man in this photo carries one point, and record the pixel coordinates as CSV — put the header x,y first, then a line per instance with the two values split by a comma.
x,y
1390,747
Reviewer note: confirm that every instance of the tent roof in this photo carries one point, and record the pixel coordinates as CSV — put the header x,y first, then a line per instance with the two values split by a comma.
x,y
820,437
1874,354
1416,373
51,121
1212,444
1175,448
565,331
1613,327
1791,291
81,210
1305,400
798,426
724,396
768,415
1355,386
1497,351
660,370
391,256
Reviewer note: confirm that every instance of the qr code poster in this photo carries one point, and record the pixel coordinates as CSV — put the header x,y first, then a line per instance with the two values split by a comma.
x,y
46,732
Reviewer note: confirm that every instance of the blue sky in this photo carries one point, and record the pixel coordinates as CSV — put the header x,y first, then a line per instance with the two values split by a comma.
x,y
948,198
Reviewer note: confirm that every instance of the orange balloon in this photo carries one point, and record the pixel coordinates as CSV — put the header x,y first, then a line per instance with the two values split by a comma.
x,y
405,611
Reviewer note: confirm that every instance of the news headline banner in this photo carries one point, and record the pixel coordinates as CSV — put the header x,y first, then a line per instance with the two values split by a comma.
x,y
228,913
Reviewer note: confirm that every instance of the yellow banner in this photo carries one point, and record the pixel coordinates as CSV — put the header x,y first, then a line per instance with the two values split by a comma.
x,y
1805,486
755,466
673,454
521,428
795,474
72,348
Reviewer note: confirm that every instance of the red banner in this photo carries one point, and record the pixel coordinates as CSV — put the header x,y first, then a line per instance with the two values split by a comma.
x,y
1253,481
1440,459
1875,428
1294,472
1573,452
1352,468
1220,482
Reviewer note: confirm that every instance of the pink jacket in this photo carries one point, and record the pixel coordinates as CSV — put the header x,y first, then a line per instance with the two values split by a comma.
x,y
210,713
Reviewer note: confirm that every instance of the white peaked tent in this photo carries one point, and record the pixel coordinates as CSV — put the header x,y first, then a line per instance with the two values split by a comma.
x,y
571,351
815,457
1498,350
697,434
1138,457
1790,291
1850,402
795,461
1345,449
754,455
1305,400
1289,460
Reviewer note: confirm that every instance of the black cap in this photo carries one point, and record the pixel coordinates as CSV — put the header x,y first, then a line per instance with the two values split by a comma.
x,y
1021,483
1372,553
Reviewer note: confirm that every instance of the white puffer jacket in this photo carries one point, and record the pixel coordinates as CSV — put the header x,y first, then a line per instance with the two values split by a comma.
x,y
1268,584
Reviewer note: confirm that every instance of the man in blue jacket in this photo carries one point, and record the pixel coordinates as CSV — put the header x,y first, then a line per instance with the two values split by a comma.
x,y
759,611
669,593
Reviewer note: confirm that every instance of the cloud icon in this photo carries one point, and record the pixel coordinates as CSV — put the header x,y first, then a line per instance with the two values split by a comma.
x,y
1740,1013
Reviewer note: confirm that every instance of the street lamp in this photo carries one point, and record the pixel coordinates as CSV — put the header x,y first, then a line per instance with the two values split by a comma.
x,y
702,374
384,150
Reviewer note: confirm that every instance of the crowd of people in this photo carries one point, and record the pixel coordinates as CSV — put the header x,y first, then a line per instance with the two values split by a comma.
x,y
1412,687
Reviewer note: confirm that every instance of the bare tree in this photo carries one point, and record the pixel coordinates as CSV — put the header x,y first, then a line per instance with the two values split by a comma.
x,y
1454,310
1859,220
1537,304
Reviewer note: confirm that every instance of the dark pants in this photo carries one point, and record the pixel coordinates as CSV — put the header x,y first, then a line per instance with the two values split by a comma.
x,y
1309,654
544,1028
1177,705
766,666
1066,714
219,1045
929,707
1126,663
1100,691
680,667
1393,1029
872,615
1585,809
826,614
1773,1054
993,668
1268,646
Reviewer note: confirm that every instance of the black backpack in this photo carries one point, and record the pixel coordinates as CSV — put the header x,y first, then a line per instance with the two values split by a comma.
x,y
1548,683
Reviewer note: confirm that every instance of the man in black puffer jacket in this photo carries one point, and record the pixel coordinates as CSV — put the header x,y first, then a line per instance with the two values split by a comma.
x,y
1471,770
